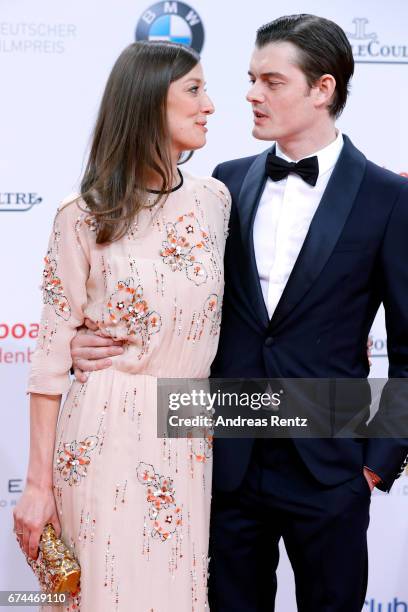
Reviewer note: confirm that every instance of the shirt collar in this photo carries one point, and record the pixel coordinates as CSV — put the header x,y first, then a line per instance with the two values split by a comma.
x,y
327,156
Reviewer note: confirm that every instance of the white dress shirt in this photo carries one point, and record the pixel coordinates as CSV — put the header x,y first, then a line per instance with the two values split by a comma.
x,y
282,220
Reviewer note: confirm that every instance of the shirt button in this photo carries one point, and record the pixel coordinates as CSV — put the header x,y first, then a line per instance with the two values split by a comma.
x,y
269,341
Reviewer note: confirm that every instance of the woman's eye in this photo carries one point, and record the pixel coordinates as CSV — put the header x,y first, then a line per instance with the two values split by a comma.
x,y
194,89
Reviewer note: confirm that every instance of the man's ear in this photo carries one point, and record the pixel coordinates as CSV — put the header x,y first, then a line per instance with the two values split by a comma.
x,y
323,91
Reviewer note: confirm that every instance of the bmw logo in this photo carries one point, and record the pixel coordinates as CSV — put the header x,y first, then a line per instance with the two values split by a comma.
x,y
172,21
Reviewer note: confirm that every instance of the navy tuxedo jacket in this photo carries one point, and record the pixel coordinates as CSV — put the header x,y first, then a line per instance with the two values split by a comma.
x,y
354,257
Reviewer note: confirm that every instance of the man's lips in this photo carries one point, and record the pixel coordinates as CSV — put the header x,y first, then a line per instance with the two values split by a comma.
x,y
202,125
258,114
259,117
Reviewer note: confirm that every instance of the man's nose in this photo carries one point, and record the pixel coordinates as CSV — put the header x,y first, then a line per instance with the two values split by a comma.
x,y
255,93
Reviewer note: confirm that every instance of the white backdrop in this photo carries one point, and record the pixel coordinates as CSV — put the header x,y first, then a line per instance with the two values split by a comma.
x,y
54,61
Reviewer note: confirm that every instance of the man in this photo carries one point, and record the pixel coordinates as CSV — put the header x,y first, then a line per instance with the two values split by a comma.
x,y
314,248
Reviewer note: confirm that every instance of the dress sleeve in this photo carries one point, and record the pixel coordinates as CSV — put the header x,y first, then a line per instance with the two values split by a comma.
x,y
225,197
65,275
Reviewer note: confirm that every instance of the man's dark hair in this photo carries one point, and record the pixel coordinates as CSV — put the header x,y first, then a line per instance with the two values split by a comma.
x,y
323,49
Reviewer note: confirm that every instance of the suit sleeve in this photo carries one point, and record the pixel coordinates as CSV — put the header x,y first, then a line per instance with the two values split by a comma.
x,y
387,456
66,270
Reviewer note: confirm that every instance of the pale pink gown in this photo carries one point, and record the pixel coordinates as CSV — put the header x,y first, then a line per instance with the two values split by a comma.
x,y
134,507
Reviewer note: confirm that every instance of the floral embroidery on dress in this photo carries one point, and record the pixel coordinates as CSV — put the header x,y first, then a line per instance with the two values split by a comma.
x,y
164,514
87,219
212,311
91,222
73,460
185,240
74,600
53,291
126,306
205,450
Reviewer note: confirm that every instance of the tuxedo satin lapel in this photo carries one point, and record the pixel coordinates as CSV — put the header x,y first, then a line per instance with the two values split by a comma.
x,y
250,193
325,229
248,200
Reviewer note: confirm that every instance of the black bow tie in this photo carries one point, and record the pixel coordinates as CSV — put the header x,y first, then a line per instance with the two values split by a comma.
x,y
278,168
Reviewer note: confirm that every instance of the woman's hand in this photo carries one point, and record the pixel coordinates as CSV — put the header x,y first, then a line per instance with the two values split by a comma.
x,y
34,509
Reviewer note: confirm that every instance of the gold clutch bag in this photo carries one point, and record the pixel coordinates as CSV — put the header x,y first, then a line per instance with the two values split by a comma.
x,y
55,567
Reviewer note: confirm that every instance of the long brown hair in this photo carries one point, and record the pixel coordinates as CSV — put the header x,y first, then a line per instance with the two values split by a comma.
x,y
131,137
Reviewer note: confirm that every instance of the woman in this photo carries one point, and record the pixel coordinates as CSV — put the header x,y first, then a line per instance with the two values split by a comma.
x,y
140,253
